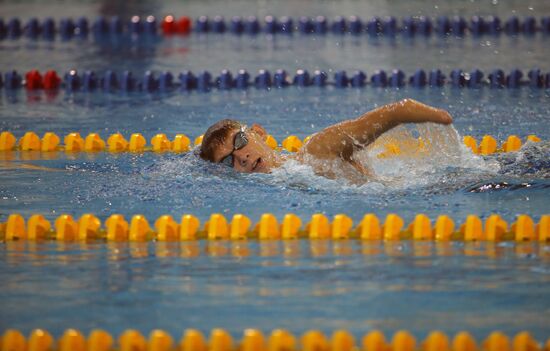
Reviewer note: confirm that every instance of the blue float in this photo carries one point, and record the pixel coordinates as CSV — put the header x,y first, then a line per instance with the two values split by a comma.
x,y
341,79
236,26
304,25
389,26
72,80
89,81
355,25
187,80
33,28
225,80
358,79
218,24
513,80
476,79
66,28
115,26
165,81
12,80
319,78
109,81
493,25
48,28
458,78
512,26
338,25
82,27
409,26
263,79
436,78
127,81
150,25
202,25
135,26
252,25
374,26
320,25
397,78
545,25
418,79
529,25
100,26
302,78
424,26
286,25
280,78
204,81
271,25
458,25
242,81
477,25
443,25
149,82
13,28
2,29
497,78
536,79
379,79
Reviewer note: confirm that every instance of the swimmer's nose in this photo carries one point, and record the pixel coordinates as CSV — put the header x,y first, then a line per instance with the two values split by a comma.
x,y
243,160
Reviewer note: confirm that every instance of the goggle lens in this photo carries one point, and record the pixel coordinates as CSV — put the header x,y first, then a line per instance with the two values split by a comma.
x,y
239,142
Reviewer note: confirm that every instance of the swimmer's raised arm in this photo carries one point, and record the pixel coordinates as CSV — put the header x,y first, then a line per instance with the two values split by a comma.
x,y
342,139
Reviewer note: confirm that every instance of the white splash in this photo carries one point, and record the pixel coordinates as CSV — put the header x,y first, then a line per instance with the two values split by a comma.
x,y
406,157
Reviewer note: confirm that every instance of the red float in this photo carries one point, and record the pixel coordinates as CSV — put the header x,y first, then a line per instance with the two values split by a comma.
x,y
33,80
183,26
51,80
168,25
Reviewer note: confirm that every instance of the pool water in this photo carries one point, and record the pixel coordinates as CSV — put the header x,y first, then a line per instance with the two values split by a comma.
x,y
298,285
156,184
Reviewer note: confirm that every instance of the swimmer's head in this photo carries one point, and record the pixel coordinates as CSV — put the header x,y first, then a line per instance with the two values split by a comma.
x,y
229,142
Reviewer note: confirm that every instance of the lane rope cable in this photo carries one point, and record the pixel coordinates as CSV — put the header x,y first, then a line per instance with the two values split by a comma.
x,y
127,81
389,26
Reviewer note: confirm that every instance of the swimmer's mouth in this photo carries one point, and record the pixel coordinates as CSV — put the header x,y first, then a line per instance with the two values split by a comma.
x,y
256,164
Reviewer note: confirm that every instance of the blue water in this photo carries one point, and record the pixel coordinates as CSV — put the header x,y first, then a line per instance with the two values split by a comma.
x,y
296,285
175,184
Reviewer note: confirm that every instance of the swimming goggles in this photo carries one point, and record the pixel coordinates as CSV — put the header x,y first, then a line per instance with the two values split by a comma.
x,y
239,142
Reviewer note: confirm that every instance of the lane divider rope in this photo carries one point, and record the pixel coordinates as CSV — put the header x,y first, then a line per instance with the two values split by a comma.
x,y
126,81
389,26
291,226
74,142
254,340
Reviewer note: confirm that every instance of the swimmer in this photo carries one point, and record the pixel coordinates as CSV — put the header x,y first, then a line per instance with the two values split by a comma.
x,y
233,144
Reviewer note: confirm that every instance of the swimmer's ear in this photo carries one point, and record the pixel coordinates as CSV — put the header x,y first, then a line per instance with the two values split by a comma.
x,y
258,129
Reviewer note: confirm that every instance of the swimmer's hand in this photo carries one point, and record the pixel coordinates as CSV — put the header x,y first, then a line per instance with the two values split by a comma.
x,y
342,139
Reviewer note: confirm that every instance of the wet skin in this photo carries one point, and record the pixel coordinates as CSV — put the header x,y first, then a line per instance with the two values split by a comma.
x,y
254,157
337,141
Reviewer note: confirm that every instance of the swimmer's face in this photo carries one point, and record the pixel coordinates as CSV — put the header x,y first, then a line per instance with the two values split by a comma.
x,y
246,151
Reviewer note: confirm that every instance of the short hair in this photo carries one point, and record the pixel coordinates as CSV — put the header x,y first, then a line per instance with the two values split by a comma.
x,y
214,136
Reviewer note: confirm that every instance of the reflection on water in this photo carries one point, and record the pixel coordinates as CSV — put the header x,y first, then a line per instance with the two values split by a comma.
x,y
204,284
43,253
